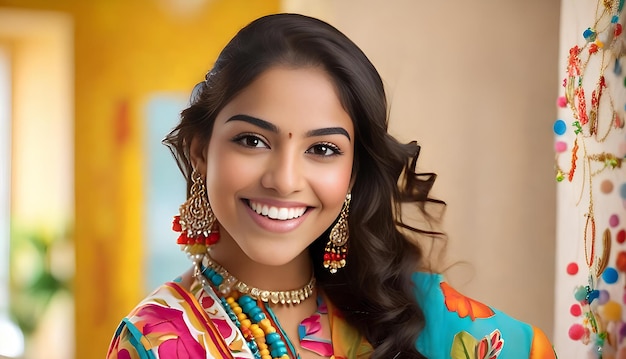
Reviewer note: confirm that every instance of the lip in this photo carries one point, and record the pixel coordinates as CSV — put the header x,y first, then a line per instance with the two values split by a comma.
x,y
276,225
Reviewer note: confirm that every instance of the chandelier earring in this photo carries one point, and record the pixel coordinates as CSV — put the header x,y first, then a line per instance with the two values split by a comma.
x,y
196,221
337,247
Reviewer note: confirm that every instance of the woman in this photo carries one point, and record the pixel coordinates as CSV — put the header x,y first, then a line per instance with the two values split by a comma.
x,y
293,220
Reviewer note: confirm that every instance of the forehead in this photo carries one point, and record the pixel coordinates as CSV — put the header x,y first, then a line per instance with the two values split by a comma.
x,y
290,96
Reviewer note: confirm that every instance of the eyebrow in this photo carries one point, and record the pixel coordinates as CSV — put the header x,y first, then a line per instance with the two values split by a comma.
x,y
273,128
328,131
255,121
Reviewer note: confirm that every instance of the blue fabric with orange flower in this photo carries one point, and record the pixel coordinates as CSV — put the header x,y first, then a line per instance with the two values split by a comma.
x,y
459,327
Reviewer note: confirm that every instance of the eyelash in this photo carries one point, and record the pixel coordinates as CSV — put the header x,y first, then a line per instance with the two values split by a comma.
x,y
239,139
336,150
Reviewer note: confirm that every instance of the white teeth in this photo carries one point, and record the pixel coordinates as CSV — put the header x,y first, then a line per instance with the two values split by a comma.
x,y
282,213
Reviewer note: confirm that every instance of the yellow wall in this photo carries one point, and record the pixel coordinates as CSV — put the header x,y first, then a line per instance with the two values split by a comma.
x,y
124,50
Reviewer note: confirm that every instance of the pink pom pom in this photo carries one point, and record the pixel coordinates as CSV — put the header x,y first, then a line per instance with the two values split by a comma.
x,y
576,331
561,101
560,146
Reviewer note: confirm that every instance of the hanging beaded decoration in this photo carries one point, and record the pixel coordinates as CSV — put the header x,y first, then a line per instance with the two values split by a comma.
x,y
594,120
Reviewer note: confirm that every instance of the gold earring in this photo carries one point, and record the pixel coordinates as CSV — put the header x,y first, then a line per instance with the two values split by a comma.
x,y
337,247
196,222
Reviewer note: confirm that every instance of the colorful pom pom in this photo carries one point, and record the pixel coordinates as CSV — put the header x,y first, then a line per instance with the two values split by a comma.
x,y
580,293
572,268
611,311
613,220
606,186
560,127
610,275
576,332
604,297
620,261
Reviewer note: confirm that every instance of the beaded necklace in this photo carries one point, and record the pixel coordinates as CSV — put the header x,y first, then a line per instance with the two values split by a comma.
x,y
246,307
228,283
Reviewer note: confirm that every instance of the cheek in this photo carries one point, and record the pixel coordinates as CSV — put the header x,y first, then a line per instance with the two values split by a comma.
x,y
332,184
226,172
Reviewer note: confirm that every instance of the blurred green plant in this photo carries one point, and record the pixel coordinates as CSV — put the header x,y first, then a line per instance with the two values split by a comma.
x,y
41,265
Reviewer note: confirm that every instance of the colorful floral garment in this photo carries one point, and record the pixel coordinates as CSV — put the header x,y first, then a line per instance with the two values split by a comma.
x,y
175,323
458,327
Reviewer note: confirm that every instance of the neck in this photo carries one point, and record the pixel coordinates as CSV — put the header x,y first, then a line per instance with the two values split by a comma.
x,y
287,276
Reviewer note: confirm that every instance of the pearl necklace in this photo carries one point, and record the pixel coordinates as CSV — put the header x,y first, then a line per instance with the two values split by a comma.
x,y
230,283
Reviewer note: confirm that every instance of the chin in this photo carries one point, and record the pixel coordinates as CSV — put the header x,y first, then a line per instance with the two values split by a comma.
x,y
274,258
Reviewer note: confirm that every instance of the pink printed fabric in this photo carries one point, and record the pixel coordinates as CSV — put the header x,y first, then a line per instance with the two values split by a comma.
x,y
174,323
312,342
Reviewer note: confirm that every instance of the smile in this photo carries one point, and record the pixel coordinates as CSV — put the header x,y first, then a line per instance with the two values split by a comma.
x,y
277,213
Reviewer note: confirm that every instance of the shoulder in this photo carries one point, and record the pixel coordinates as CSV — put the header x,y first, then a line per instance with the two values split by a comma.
x,y
456,323
169,323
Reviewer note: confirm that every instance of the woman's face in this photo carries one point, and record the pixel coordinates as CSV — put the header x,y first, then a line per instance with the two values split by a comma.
x,y
279,162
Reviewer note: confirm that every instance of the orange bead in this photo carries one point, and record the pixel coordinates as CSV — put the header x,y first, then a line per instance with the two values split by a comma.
x,y
245,323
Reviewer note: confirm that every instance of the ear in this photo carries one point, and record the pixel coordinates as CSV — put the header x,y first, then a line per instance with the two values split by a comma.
x,y
197,154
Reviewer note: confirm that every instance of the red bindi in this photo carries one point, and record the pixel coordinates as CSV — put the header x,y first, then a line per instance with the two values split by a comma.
x,y
290,134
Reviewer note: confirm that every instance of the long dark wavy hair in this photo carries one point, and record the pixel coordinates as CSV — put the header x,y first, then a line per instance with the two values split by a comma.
x,y
374,291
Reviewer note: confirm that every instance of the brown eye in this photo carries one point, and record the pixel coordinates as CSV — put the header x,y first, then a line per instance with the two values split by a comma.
x,y
324,150
249,140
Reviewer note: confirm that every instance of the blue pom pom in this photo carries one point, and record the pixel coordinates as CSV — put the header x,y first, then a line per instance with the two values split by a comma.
x,y
610,275
560,127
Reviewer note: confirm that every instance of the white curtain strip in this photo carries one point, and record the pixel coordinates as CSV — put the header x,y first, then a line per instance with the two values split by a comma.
x,y
590,144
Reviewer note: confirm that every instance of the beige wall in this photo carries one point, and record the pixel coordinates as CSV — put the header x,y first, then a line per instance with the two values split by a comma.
x,y
474,83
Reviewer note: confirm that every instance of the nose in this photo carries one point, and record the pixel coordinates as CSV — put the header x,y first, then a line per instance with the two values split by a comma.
x,y
283,172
